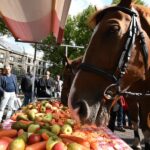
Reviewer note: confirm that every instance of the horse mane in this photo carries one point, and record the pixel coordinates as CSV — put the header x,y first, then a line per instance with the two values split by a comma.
x,y
144,14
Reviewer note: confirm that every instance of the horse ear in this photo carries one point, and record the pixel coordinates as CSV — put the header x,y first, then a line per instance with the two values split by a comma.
x,y
67,60
125,3
92,22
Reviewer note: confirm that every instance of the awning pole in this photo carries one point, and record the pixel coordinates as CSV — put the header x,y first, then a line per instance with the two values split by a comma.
x,y
34,73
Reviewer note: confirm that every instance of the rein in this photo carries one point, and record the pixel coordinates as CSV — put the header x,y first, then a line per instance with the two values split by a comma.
x,y
133,31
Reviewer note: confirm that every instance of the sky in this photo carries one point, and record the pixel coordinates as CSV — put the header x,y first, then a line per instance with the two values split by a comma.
x,y
76,7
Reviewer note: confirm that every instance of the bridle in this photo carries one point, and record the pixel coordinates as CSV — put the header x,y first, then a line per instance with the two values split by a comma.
x,y
134,30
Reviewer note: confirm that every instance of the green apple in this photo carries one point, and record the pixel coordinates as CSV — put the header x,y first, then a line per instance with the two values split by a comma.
x,y
55,129
33,127
66,129
47,118
70,121
76,146
17,144
50,143
48,105
43,109
31,114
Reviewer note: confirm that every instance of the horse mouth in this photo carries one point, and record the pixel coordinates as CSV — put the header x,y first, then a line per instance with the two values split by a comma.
x,y
94,115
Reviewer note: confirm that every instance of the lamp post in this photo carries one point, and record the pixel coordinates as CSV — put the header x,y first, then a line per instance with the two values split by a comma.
x,y
67,46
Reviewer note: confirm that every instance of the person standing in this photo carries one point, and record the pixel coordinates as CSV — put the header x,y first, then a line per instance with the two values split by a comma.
x,y
116,113
45,85
58,87
26,87
8,91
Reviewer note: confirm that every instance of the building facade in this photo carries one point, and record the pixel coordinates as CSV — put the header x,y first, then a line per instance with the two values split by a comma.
x,y
20,61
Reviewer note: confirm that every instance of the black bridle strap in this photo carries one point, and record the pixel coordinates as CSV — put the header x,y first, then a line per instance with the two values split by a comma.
x,y
92,68
126,54
144,50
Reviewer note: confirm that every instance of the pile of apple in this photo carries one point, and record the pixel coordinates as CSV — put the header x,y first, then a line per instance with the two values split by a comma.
x,y
48,125
45,125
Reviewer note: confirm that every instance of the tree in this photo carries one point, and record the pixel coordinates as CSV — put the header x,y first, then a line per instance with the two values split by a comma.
x,y
76,33
78,30
3,28
136,1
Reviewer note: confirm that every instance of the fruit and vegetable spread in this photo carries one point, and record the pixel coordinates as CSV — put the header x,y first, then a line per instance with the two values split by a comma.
x,y
48,125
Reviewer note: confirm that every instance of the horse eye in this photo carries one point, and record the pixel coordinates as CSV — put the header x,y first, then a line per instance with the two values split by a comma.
x,y
114,29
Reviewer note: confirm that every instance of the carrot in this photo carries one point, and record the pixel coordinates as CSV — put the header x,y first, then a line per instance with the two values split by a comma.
x,y
66,141
37,146
74,138
15,115
9,133
8,139
25,122
45,136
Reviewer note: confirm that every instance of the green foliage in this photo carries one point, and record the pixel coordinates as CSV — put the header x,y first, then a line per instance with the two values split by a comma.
x,y
76,33
3,29
136,1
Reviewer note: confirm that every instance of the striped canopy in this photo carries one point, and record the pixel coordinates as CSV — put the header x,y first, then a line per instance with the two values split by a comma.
x,y
34,20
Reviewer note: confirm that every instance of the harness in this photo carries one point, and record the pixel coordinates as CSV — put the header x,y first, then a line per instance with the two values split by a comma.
x,y
134,30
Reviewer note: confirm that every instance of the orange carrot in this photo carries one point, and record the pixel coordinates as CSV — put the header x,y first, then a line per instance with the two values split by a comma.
x,y
37,146
25,122
9,133
73,138
8,139
15,115
45,136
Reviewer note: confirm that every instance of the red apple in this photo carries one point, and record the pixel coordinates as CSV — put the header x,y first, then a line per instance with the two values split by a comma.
x,y
3,144
56,104
34,138
59,146
48,111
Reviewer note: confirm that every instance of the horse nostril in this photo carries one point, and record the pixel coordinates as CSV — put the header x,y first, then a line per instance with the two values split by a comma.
x,y
84,110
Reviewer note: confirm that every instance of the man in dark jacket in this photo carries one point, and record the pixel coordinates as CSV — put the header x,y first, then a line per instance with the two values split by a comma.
x,y
26,87
8,91
44,87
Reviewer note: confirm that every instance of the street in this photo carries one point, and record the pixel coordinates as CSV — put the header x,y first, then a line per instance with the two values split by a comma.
x,y
128,136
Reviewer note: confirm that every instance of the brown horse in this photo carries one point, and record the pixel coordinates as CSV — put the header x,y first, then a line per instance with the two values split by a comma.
x,y
116,60
69,72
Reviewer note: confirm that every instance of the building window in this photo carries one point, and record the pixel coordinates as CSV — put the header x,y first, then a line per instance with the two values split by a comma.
x,y
11,65
28,68
1,55
40,62
19,60
29,60
11,58
39,71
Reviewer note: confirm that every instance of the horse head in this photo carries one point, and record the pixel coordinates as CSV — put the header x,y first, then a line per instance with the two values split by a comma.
x,y
69,72
116,57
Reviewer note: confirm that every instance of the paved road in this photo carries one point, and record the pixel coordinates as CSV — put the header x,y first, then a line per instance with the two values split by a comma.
x,y
128,136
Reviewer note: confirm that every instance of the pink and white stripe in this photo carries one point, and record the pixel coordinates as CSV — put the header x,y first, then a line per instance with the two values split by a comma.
x,y
33,20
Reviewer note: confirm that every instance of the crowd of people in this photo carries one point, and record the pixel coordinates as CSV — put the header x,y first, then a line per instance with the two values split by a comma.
x,y
33,88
